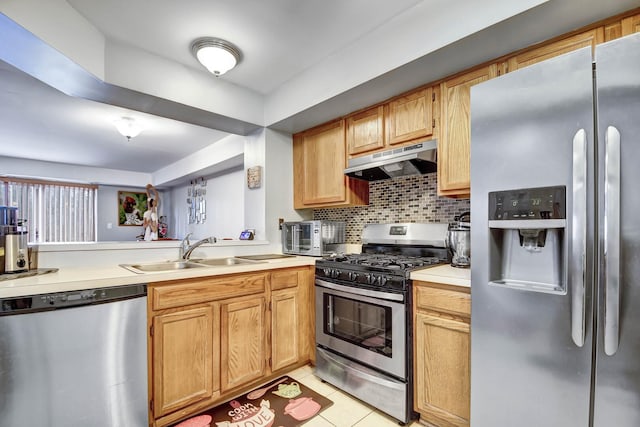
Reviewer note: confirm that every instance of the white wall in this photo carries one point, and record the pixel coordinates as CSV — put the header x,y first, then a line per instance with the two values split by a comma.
x,y
225,208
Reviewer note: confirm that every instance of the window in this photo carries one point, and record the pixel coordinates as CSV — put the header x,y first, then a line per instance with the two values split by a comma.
x,y
54,211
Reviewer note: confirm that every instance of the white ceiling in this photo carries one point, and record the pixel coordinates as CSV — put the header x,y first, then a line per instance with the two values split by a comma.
x,y
317,58
278,38
39,122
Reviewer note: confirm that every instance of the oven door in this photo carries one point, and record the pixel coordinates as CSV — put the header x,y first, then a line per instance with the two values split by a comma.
x,y
364,325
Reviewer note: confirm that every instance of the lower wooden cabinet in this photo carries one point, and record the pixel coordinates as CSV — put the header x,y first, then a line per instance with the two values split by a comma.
x,y
184,358
213,338
442,354
243,342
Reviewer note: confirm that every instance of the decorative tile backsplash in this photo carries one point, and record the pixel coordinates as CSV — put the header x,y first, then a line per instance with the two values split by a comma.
x,y
406,199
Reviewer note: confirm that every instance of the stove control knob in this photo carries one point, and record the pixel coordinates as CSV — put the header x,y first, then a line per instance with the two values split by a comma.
x,y
335,273
326,272
371,279
353,276
382,280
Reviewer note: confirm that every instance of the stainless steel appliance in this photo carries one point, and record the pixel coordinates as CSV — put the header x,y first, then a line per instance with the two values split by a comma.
x,y
460,241
363,313
313,238
402,161
13,242
556,241
74,358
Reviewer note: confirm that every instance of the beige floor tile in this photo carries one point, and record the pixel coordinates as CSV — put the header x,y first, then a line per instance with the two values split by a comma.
x,y
318,421
298,374
345,411
378,420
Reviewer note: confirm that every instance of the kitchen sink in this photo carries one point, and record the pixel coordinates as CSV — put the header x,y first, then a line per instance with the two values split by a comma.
x,y
265,256
216,262
161,266
154,267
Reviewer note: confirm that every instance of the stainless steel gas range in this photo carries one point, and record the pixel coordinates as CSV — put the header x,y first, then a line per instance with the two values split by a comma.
x,y
363,313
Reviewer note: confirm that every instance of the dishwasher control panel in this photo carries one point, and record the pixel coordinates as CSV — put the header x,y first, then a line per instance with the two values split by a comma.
x,y
59,300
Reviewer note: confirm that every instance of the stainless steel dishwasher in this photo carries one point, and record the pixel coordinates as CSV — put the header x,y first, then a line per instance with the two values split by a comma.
x,y
74,358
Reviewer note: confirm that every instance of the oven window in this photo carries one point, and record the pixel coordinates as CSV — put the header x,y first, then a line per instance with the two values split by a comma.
x,y
364,324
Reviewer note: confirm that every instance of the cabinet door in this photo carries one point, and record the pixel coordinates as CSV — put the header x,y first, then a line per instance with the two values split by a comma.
x,y
454,145
285,328
550,50
410,117
631,25
365,131
183,358
242,342
442,370
319,160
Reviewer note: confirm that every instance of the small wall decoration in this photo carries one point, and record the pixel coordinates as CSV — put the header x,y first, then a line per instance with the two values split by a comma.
x,y
196,201
254,177
131,207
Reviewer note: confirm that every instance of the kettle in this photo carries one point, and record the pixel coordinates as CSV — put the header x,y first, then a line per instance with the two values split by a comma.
x,y
459,238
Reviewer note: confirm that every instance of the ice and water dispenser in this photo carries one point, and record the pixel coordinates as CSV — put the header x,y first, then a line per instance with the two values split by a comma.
x,y
528,231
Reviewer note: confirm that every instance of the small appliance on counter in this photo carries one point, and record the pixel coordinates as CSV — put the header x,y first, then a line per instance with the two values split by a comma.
x,y
459,238
13,235
312,238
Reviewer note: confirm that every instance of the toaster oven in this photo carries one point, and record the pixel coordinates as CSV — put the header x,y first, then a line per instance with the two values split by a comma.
x,y
312,238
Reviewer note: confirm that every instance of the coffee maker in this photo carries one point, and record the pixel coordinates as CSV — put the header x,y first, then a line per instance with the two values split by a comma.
x,y
13,233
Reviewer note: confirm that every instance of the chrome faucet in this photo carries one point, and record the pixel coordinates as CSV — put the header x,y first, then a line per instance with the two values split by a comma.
x,y
186,248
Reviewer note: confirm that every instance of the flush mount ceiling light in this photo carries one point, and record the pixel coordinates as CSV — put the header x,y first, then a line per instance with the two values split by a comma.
x,y
217,55
128,127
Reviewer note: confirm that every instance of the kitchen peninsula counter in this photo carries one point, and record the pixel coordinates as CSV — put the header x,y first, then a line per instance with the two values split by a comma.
x,y
79,278
445,274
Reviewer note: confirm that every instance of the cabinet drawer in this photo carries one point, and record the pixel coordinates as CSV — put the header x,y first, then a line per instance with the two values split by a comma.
x,y
192,291
444,300
284,279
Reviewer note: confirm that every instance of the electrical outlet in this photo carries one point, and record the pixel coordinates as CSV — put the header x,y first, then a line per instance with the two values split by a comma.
x,y
280,222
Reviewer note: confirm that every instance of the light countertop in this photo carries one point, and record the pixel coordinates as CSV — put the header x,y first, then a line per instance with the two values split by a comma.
x,y
444,274
79,278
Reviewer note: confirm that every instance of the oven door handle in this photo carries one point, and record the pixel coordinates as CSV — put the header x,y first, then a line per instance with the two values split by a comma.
x,y
359,291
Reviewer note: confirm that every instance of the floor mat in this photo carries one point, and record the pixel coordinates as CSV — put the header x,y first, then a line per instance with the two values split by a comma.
x,y
281,403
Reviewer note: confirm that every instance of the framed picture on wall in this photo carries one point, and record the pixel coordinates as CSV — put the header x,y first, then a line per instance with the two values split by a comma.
x,y
131,207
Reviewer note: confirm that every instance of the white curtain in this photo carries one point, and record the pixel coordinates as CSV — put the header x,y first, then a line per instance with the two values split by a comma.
x,y
55,212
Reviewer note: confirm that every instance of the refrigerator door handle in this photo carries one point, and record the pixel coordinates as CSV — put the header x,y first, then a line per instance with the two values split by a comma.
x,y
579,238
612,241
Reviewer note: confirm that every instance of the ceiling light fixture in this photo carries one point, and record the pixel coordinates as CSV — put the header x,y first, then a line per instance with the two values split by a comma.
x,y
128,127
217,55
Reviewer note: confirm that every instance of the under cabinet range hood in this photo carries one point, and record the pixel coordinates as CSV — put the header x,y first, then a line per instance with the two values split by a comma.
x,y
403,161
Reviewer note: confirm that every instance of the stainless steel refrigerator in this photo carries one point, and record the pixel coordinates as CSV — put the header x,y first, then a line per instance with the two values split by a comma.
x,y
555,274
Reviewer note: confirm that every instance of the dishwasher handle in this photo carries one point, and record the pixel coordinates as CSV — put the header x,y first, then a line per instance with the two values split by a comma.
x,y
69,299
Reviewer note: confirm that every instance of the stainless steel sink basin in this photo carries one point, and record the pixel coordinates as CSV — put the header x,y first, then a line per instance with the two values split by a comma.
x,y
219,262
265,256
161,266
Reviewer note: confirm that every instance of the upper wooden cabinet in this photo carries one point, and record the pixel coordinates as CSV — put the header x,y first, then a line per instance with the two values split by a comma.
x,y
454,144
622,27
559,47
410,117
630,25
403,120
365,131
319,160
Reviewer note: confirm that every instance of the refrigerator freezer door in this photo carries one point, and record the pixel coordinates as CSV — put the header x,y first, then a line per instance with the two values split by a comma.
x,y
526,370
617,379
